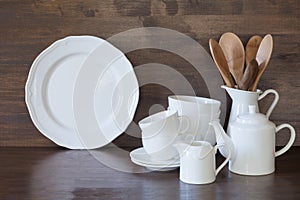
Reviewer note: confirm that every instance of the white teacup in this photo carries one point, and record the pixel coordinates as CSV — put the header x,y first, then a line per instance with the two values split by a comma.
x,y
160,131
200,111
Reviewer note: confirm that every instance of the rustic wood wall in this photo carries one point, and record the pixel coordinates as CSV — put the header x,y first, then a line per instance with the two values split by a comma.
x,y
29,26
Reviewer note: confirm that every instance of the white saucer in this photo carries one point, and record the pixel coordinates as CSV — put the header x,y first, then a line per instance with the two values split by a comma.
x,y
161,168
140,157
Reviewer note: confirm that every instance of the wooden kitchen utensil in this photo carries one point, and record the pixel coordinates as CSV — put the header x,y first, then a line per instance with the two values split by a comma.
x,y
234,53
249,75
263,57
252,48
220,60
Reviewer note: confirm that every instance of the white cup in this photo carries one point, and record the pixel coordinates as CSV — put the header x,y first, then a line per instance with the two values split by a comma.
x,y
160,131
198,163
200,111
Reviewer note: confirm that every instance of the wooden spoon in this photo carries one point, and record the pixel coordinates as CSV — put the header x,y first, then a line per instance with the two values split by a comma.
x,y
263,57
234,53
252,48
220,60
249,75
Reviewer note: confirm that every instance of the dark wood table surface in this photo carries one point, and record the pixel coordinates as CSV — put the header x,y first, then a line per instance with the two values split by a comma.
x,y
107,173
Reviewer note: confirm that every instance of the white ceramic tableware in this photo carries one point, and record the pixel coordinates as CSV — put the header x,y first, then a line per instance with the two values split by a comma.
x,y
160,131
253,136
241,99
222,138
140,157
50,85
206,106
152,167
200,112
105,96
253,139
197,162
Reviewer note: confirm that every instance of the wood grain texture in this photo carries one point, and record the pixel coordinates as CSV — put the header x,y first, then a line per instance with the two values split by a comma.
x,y
27,27
54,173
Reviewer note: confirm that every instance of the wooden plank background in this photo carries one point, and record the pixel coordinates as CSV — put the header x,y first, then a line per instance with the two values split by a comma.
x,y
29,26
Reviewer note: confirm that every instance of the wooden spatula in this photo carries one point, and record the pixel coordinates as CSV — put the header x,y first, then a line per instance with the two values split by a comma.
x,y
263,57
252,48
249,75
234,53
220,60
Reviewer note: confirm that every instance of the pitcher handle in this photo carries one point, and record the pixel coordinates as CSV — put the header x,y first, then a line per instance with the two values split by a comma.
x,y
291,140
226,160
274,103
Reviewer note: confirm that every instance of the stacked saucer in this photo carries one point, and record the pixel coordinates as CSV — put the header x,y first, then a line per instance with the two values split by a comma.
x,y
142,158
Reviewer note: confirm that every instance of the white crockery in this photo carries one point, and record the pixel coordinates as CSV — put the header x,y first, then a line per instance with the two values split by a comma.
x,y
200,112
252,143
50,85
140,157
161,168
241,99
206,106
160,131
105,96
197,162
253,136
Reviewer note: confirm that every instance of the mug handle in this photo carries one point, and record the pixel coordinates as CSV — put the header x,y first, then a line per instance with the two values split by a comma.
x,y
291,140
225,161
274,103
187,122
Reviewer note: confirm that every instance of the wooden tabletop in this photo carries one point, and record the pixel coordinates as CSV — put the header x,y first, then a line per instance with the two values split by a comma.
x,y
55,173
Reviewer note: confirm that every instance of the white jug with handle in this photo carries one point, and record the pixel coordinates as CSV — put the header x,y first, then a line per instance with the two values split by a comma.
x,y
197,162
241,99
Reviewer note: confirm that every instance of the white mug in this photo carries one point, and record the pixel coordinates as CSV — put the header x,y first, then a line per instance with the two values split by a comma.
x,y
160,131
200,112
198,163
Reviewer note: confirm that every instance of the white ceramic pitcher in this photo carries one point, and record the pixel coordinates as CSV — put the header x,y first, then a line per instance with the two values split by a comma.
x,y
241,99
197,162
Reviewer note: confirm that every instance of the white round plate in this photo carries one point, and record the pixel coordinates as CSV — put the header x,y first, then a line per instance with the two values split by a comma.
x,y
49,88
105,96
141,156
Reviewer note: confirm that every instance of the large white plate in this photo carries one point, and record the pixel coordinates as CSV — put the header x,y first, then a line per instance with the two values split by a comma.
x,y
50,84
105,96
